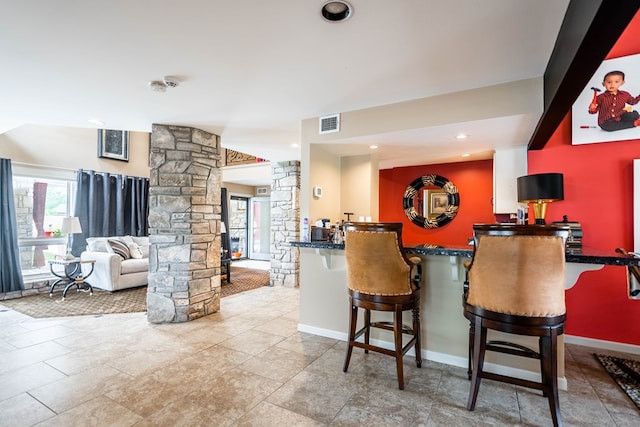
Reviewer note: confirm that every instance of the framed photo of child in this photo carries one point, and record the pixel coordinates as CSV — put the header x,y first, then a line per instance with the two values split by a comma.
x,y
608,109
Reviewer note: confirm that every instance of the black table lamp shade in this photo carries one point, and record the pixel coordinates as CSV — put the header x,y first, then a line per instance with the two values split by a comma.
x,y
540,189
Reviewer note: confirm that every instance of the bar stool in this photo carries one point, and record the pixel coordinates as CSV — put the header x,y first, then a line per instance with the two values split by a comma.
x,y
379,278
516,284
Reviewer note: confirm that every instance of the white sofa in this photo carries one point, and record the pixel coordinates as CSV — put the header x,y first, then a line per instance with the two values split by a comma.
x,y
121,262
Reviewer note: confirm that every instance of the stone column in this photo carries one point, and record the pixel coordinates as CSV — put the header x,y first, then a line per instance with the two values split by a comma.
x,y
285,223
184,221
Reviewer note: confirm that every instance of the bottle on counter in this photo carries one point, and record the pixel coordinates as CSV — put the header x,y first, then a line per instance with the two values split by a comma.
x,y
337,234
305,230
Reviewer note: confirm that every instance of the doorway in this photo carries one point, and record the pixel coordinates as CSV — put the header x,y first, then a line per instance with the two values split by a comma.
x,y
250,227
260,228
238,221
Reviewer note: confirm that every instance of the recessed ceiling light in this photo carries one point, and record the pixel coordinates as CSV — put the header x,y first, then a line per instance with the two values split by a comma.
x,y
461,136
96,122
466,155
295,145
373,147
336,11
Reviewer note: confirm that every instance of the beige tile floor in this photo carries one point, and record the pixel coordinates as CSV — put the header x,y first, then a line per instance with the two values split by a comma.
x,y
248,366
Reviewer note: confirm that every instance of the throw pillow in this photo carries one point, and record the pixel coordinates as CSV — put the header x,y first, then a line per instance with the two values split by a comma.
x,y
120,248
143,243
98,244
145,251
135,251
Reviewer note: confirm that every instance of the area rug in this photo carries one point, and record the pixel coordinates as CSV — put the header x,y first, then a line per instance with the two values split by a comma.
x,y
124,301
625,372
244,279
80,303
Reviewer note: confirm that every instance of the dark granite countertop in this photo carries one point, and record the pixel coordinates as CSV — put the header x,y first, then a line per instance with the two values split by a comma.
x,y
584,256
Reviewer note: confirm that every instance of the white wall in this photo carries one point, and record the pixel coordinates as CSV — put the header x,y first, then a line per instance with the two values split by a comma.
x,y
258,173
324,171
501,100
239,189
72,149
349,184
359,187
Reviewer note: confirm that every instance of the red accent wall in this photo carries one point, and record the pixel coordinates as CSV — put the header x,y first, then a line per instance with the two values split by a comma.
x,y
598,189
598,181
475,186
598,194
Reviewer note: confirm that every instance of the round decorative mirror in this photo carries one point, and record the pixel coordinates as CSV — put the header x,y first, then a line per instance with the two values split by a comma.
x,y
431,201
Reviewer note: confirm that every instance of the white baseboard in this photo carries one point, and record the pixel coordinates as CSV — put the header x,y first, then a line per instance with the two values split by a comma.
x,y
340,336
444,358
603,345
461,362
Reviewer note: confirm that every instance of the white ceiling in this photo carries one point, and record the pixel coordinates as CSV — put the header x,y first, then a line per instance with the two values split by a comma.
x,y
251,70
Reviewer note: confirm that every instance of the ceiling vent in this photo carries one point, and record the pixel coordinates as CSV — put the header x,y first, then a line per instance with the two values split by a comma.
x,y
329,124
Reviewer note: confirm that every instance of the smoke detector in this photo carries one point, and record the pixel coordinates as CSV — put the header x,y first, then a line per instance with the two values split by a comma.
x,y
161,86
170,81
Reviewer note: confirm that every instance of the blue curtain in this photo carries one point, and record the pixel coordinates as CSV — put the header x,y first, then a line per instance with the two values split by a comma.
x,y
110,205
10,272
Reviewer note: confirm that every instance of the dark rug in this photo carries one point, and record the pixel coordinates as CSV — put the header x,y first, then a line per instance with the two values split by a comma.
x,y
125,301
625,372
244,279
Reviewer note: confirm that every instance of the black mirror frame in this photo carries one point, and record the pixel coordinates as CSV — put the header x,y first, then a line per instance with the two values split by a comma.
x,y
436,180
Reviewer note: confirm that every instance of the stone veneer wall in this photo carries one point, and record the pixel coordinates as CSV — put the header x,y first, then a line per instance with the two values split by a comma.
x,y
285,223
184,221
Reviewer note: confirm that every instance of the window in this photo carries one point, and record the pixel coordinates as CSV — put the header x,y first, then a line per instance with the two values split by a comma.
x,y
41,203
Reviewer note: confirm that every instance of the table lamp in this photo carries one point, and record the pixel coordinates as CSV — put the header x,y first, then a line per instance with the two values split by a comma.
x,y
70,225
540,189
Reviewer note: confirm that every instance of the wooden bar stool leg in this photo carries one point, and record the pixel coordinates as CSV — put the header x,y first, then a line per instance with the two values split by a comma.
x,y
550,374
353,319
472,334
416,334
543,373
479,343
367,325
397,338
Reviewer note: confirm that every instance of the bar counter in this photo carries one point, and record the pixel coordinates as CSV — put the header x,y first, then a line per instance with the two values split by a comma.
x,y
584,256
324,304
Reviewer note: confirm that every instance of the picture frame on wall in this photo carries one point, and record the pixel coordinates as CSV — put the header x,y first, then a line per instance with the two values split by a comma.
x,y
438,202
585,128
435,202
113,144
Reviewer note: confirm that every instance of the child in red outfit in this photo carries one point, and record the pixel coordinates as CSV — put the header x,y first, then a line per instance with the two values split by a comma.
x,y
610,105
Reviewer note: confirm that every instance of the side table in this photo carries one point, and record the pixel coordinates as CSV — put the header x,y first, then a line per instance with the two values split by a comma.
x,y
72,275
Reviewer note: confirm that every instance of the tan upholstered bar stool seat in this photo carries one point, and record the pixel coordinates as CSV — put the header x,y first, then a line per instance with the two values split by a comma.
x,y
379,278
